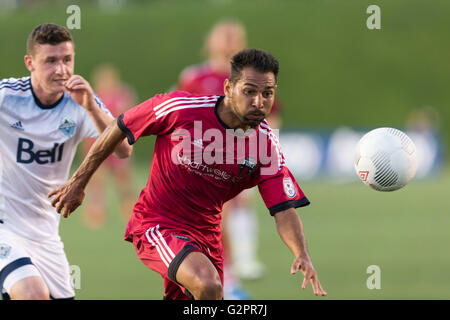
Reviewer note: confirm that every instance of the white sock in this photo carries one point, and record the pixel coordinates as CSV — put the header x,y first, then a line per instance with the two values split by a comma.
x,y
243,234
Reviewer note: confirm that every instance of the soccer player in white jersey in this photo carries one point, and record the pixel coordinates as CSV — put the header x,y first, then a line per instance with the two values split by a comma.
x,y
43,117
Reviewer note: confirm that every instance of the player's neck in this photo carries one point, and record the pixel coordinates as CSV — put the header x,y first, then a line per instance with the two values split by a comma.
x,y
44,97
228,117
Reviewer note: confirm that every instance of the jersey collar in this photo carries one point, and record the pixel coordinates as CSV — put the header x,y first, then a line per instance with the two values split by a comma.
x,y
223,124
40,104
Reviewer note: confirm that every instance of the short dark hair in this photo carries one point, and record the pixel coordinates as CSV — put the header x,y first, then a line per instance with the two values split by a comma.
x,y
258,59
47,34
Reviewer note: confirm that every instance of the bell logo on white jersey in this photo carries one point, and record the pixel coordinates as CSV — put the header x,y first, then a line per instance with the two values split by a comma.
x,y
25,153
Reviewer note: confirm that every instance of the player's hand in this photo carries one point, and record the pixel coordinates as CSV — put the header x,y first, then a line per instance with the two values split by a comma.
x,y
81,91
67,198
310,274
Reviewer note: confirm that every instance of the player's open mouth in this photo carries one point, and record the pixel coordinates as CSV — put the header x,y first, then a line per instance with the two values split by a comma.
x,y
255,117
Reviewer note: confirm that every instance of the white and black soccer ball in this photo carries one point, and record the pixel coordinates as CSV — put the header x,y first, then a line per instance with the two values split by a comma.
x,y
385,159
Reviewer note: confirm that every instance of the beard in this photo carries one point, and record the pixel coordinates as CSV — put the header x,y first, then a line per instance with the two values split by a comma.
x,y
253,123
253,119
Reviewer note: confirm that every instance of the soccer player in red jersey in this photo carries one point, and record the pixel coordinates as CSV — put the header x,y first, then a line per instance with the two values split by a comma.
x,y
239,218
175,226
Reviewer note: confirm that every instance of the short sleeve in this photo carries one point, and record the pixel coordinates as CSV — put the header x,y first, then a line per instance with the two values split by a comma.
x,y
281,191
152,117
277,186
18,85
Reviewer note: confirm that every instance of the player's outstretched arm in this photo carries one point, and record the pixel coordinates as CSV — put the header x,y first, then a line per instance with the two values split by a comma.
x,y
69,196
290,229
82,93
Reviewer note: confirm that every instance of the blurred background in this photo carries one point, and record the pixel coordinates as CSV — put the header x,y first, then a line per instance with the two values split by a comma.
x,y
337,80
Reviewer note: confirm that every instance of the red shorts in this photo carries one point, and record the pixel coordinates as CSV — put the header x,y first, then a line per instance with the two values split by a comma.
x,y
164,249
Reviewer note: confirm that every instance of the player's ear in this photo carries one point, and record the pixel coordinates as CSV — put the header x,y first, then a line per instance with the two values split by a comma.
x,y
228,87
29,63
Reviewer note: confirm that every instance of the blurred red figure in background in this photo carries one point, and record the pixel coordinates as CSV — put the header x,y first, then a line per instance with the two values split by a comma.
x,y
118,98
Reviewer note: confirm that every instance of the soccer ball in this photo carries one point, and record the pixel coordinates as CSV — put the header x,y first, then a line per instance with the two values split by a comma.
x,y
385,159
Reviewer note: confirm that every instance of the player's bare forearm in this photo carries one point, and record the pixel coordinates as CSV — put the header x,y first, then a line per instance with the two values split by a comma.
x,y
290,229
110,139
69,196
101,121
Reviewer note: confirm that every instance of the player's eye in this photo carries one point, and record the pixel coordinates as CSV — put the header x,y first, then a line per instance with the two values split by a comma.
x,y
67,59
249,91
267,94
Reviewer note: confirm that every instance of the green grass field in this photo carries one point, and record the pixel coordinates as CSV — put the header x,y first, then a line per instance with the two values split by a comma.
x,y
348,226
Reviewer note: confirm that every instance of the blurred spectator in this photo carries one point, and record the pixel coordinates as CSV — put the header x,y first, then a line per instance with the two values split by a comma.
x,y
340,154
424,119
422,125
117,97
111,5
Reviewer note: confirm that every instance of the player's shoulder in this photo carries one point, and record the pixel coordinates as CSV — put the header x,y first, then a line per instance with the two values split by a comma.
x,y
273,142
15,81
264,126
71,106
182,102
182,97
272,135
15,86
15,91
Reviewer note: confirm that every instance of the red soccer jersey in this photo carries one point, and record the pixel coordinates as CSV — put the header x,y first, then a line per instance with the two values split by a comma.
x,y
202,79
186,188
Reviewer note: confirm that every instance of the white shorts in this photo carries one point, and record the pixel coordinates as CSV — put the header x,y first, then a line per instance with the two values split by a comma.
x,y
21,258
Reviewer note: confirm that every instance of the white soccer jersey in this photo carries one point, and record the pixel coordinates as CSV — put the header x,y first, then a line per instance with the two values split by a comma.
x,y
37,145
